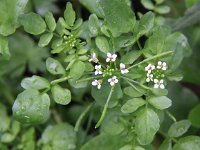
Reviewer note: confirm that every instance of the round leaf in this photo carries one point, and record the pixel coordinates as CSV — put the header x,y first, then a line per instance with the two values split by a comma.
x,y
103,44
69,14
54,66
146,125
45,39
33,23
194,116
60,95
179,128
31,107
93,24
188,143
51,23
160,102
35,82
132,105
77,69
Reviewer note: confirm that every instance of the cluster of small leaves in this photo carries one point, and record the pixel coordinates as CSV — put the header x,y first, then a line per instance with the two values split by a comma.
x,y
132,108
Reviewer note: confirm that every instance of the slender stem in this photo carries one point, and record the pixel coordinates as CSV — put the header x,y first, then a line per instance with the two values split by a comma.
x,y
151,58
81,117
170,116
135,82
133,86
139,45
166,136
87,79
105,108
60,80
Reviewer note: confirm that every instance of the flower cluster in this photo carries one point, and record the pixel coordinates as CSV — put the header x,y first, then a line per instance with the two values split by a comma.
x,y
156,74
109,70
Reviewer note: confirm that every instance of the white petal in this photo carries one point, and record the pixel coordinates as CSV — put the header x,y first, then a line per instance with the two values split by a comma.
x,y
122,66
99,86
164,68
147,80
116,80
100,72
159,67
146,68
155,80
94,55
164,64
94,83
96,72
126,71
149,71
156,86
161,81
159,63
109,80
114,77
123,72
162,86
107,59
109,55
114,56
152,67
112,83
90,59
96,67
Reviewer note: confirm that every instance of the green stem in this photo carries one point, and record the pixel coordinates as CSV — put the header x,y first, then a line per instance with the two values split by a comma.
x,y
60,80
105,108
81,117
135,82
151,58
139,45
170,116
87,79
133,86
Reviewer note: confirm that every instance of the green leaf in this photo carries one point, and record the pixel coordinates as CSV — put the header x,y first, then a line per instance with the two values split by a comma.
x,y
50,21
5,124
132,105
104,142
69,14
9,20
146,23
101,95
148,4
60,95
93,24
4,50
54,66
92,6
194,116
77,69
103,44
146,125
28,139
112,123
31,107
77,24
35,82
33,23
166,145
127,147
59,137
179,128
45,39
130,57
189,142
133,92
161,103
118,16
162,9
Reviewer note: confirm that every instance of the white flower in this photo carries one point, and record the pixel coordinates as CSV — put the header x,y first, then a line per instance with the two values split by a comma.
x,y
149,68
149,77
98,70
93,58
159,84
97,83
113,80
162,65
111,57
123,68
